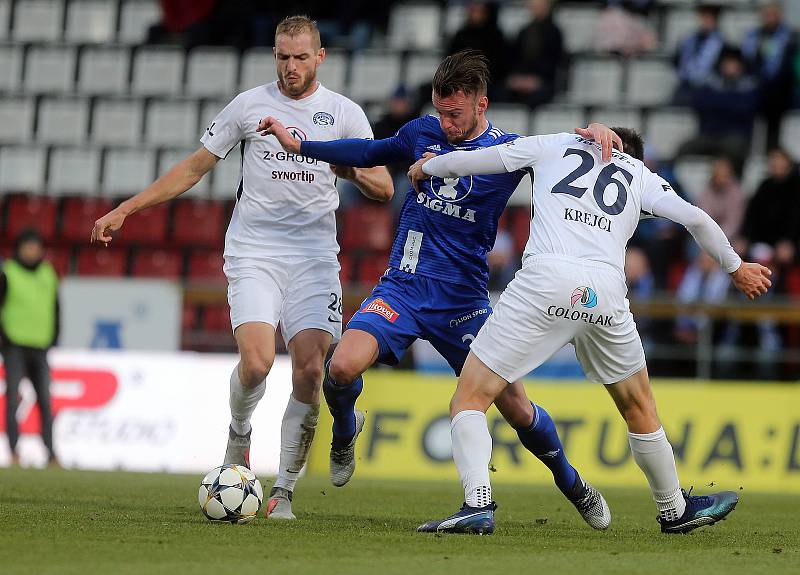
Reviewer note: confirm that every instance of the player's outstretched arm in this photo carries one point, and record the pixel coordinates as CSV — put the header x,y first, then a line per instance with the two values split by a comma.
x,y
179,179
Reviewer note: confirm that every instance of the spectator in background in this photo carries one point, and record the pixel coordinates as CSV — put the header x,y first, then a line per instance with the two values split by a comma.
x,y
621,31
770,51
203,23
28,328
698,54
726,107
536,56
641,285
723,199
481,32
704,281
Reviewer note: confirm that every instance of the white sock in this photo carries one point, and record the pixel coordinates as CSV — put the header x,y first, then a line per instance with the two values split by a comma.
x,y
243,402
472,451
653,454
297,432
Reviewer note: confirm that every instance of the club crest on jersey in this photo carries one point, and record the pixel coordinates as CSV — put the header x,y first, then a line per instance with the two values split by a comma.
x,y
451,189
585,295
297,133
323,119
381,308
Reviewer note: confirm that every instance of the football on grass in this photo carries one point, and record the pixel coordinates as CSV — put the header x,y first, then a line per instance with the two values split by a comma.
x,y
230,494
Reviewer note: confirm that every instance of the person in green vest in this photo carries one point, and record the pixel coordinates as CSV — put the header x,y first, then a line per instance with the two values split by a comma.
x,y
28,328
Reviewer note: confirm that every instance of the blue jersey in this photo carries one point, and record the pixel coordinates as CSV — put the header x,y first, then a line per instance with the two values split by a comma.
x,y
445,230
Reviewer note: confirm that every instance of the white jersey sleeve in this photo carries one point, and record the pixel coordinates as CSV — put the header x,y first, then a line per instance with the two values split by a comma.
x,y
526,152
466,163
659,199
227,129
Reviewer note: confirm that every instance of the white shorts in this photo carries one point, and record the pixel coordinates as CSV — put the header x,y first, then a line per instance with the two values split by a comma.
x,y
297,293
555,300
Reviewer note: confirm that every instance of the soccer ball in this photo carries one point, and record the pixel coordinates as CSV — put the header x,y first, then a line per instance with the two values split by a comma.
x,y
230,494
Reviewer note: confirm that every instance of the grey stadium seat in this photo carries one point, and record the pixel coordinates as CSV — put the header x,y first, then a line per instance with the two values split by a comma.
x,y
577,25
667,129
127,171
622,117
679,24
735,24
91,21
513,18
333,72
10,68
169,158
596,82
171,123
651,82
117,122
63,121
226,176
38,20
454,17
49,69
414,26
258,68
157,71
212,72
103,70
5,19
135,18
420,68
790,133
375,75
74,171
511,118
693,174
16,120
755,170
22,169
554,119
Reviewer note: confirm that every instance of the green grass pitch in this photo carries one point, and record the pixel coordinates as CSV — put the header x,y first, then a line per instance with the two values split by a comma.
x,y
57,521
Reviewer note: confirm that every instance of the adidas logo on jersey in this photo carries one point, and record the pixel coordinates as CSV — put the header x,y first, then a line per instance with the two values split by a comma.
x,y
434,148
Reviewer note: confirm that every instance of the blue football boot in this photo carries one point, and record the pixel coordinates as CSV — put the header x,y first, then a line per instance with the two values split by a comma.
x,y
701,510
475,520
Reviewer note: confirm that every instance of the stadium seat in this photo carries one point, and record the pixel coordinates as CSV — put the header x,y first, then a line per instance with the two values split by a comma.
x,y
375,75
169,158
205,266
91,21
622,117
157,71
650,82
258,68
148,227
10,68
60,258
555,118
5,18
736,24
420,67
190,317
371,267
198,223
577,25
790,132
158,263
755,170
217,318
513,18
103,70
454,17
333,72
511,118
519,221
136,18
98,260
367,227
667,129
679,24
78,216
16,120
171,123
74,171
414,26
38,20
346,271
49,69
693,174
226,176
127,172
212,72
117,122
63,121
596,82
22,169
27,211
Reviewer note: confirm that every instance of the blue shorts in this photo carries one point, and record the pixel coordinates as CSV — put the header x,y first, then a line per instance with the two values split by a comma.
x,y
404,307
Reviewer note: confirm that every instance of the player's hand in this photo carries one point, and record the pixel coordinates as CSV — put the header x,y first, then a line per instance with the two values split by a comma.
x,y
104,227
345,172
603,135
415,173
269,126
752,279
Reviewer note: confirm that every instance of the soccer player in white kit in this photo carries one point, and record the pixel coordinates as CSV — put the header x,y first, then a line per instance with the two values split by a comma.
x,y
280,247
571,289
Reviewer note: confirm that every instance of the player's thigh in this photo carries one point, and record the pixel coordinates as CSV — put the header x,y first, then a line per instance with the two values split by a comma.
x,y
515,406
255,290
356,353
452,332
478,387
313,299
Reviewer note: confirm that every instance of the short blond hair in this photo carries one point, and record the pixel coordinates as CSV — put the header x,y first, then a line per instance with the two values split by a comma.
x,y
296,25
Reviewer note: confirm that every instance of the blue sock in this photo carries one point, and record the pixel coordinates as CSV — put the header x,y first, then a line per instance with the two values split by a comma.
x,y
541,439
341,403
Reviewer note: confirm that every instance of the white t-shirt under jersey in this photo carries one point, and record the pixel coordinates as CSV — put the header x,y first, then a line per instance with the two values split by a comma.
x,y
285,202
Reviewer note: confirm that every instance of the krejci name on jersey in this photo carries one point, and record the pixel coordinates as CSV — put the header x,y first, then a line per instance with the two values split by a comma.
x,y
591,220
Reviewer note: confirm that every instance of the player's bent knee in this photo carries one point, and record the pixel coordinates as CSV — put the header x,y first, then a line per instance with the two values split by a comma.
x,y
254,368
344,369
309,375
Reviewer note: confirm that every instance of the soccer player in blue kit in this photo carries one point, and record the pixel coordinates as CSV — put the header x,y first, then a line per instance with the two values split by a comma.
x,y
435,287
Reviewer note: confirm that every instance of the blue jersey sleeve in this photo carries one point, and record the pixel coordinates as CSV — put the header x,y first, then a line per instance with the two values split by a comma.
x,y
360,153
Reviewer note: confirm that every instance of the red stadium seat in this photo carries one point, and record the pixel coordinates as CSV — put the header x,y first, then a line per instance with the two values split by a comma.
x,y
371,268
793,281
206,266
189,318
101,261
31,212
148,227
519,221
198,223
60,258
78,216
157,263
368,227
217,318
346,273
